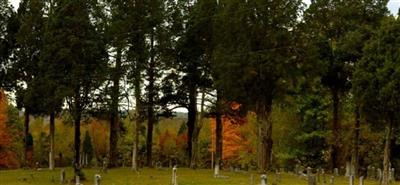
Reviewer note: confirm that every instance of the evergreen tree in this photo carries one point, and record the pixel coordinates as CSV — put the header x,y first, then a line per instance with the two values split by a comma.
x,y
118,41
191,67
339,30
79,53
137,55
377,83
7,29
252,58
25,65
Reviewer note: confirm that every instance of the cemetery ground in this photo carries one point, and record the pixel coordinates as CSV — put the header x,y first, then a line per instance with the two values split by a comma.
x,y
124,176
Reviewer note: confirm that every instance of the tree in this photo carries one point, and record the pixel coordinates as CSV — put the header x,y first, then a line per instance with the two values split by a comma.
x,y
377,83
118,36
25,65
191,64
157,36
87,149
53,95
7,41
339,30
8,158
252,58
78,50
137,55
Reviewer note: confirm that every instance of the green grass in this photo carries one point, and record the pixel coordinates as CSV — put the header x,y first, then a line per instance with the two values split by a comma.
x,y
123,176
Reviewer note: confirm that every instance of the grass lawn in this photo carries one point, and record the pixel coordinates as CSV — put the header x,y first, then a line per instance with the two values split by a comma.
x,y
123,176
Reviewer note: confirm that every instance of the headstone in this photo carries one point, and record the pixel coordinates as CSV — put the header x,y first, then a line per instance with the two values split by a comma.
x,y
369,171
251,179
312,180
62,176
332,180
37,166
348,169
174,176
263,179
379,174
361,181
351,180
97,179
158,165
336,171
391,177
373,173
77,180
216,170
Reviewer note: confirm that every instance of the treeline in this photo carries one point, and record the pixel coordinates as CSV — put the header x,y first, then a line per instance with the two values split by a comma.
x,y
92,57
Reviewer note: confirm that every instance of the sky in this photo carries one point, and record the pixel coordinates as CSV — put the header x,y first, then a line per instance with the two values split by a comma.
x,y
393,5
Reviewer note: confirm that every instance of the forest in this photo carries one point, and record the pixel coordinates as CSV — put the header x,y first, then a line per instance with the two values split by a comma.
x,y
221,84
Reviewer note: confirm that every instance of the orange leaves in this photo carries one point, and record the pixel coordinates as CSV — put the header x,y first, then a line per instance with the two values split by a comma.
x,y
233,141
8,159
100,136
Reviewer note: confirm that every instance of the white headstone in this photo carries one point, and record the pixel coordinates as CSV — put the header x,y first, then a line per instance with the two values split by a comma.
x,y
391,177
216,170
174,176
361,180
379,174
62,176
77,180
97,179
336,171
348,169
351,180
373,173
332,180
263,179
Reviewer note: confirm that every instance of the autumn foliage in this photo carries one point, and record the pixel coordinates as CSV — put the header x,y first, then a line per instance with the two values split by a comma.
x,y
8,158
233,141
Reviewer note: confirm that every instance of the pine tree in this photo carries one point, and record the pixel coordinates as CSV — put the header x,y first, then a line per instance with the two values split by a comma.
x,y
377,83
25,65
339,29
79,53
7,20
253,59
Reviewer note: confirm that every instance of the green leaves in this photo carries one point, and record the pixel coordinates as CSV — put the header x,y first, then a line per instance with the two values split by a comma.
x,y
377,76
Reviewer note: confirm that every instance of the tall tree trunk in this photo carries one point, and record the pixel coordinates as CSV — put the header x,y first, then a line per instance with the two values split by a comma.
x,y
26,136
218,136
137,120
196,133
150,106
356,138
114,118
191,123
386,156
77,134
335,128
52,132
264,118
